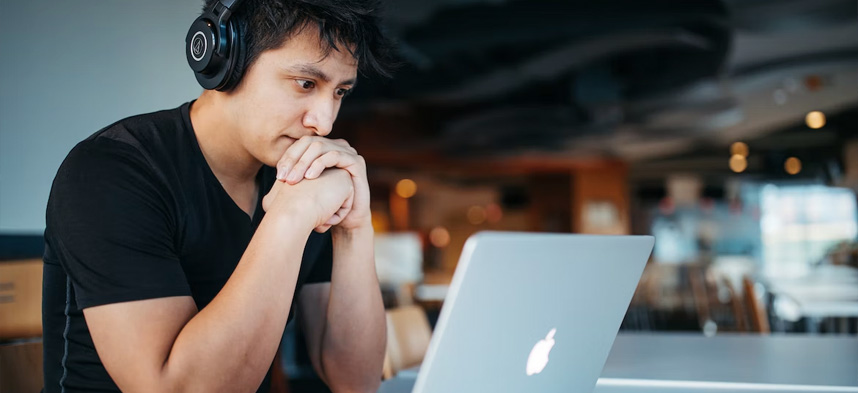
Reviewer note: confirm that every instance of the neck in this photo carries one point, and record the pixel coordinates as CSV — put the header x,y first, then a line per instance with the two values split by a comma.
x,y
217,135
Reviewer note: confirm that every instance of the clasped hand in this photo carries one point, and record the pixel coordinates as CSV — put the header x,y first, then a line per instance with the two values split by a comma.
x,y
337,196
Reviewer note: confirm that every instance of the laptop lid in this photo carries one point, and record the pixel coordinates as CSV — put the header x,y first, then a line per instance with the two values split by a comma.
x,y
532,312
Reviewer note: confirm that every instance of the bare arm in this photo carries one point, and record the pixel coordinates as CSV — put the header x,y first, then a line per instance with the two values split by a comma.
x,y
344,321
166,345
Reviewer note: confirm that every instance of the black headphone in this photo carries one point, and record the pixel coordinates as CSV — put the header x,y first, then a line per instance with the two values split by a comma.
x,y
213,47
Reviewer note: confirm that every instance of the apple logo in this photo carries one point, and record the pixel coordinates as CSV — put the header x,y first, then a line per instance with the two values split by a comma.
x,y
538,358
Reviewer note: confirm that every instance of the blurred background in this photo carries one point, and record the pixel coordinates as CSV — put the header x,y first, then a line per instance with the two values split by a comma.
x,y
728,129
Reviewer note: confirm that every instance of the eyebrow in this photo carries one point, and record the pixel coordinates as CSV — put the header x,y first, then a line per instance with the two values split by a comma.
x,y
315,72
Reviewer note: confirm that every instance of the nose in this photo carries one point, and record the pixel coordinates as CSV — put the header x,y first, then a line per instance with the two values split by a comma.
x,y
320,116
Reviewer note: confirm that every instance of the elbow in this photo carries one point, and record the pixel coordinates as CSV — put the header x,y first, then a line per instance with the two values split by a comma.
x,y
351,378
177,379
352,386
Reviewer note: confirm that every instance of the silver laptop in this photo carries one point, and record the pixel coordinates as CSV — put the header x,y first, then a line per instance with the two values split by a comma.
x,y
531,312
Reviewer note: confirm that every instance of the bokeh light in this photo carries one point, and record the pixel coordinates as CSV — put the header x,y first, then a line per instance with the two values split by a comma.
x,y
739,148
738,163
792,166
439,237
406,188
815,120
477,215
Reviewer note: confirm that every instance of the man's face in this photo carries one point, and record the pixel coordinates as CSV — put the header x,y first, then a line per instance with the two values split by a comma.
x,y
288,93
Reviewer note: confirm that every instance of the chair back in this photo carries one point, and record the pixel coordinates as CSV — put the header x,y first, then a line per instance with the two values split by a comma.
x,y
20,299
759,319
21,367
408,334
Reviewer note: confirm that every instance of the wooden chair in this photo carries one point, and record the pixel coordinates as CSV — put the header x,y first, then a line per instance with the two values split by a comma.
x,y
408,335
736,306
279,380
699,290
20,299
759,320
21,367
405,294
21,326
637,316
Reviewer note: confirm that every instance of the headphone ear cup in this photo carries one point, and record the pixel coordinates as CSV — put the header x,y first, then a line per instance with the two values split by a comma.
x,y
237,57
200,46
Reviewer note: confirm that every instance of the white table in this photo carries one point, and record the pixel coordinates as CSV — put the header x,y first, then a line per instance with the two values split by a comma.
x,y
649,363
826,292
775,360
431,292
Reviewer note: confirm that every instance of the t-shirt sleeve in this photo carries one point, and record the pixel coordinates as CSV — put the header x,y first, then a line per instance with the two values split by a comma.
x,y
113,224
324,263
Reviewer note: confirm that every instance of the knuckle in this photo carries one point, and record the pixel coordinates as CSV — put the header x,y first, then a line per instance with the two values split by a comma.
x,y
316,146
317,165
303,162
285,160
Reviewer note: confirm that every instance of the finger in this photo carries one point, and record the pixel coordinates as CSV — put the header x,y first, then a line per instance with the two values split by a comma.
x,y
359,181
292,154
358,167
340,215
322,228
336,219
350,201
345,145
343,211
347,206
329,160
352,163
314,150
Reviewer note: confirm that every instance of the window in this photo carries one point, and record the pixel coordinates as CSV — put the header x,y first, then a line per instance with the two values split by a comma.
x,y
801,223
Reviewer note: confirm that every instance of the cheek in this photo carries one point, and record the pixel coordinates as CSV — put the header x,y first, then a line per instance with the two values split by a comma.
x,y
272,113
257,138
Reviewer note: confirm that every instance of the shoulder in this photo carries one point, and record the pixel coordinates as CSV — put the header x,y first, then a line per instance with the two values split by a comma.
x,y
140,143
148,133
127,160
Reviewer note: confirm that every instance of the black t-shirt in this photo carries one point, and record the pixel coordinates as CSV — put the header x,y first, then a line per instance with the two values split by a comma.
x,y
136,213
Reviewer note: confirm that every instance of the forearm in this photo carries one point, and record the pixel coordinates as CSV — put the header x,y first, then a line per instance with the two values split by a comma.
x,y
354,341
229,345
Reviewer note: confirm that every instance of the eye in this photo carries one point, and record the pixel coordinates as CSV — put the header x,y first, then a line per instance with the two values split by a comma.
x,y
305,84
343,92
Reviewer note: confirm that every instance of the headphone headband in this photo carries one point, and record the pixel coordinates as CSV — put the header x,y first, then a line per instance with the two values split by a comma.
x,y
230,4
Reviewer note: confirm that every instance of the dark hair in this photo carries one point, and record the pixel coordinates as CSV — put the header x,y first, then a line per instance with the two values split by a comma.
x,y
352,24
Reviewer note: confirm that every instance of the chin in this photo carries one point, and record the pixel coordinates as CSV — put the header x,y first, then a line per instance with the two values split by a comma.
x,y
269,162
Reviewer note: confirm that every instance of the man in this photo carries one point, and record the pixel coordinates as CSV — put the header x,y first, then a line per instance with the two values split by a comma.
x,y
180,243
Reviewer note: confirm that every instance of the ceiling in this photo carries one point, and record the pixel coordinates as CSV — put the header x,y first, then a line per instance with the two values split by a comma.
x,y
635,80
